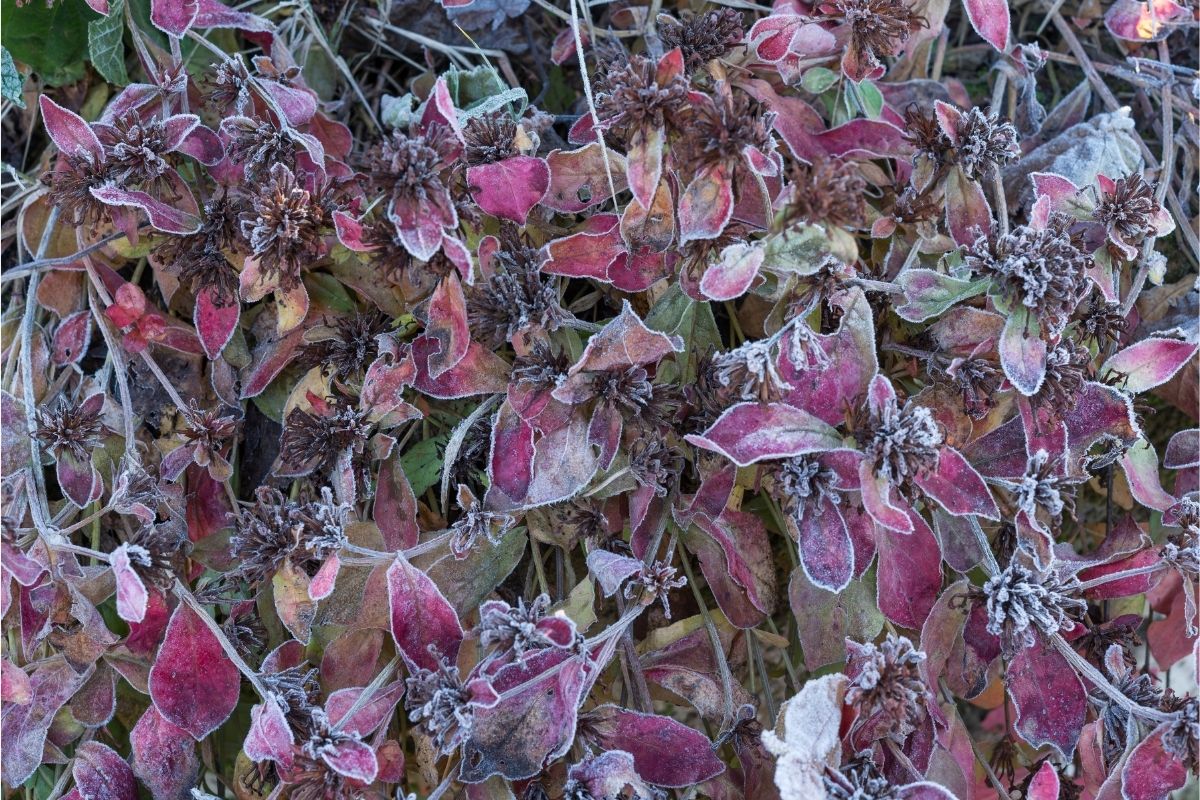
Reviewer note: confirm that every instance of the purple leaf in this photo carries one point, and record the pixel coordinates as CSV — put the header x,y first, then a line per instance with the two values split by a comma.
x,y
193,683
612,569
910,573
131,590
174,17
421,616
164,756
826,552
750,432
270,736
733,274
101,774
508,189
26,724
352,759
162,216
968,214
71,134
957,487
1183,450
1140,464
1050,699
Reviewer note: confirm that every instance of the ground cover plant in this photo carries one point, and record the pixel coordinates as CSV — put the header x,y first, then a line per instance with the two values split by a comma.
x,y
599,401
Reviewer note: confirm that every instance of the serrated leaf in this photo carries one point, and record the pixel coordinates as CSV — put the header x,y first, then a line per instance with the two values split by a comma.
x,y
53,41
106,45
13,81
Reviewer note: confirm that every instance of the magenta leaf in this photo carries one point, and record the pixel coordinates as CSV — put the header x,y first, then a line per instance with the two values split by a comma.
x,y
1149,363
447,326
734,273
1144,20
270,737
193,683
101,774
910,573
71,338
968,214
421,618
1152,770
957,487
645,163
826,552
162,216
578,179
1050,699
216,319
71,134
164,756
352,759
174,17
989,18
508,189
750,432
132,596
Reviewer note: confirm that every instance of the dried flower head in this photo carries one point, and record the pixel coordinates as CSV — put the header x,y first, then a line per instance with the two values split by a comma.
x,y
655,582
922,131
888,691
803,482
489,138
440,704
517,296
352,346
70,189
407,167
297,691
878,27
859,779
276,528
285,227
654,463
542,367
1103,323
208,431
719,131
631,98
1128,212
135,150
521,628
66,428
978,380
984,143
902,440
626,389
315,442
260,145
1067,370
199,259
827,191
1022,601
703,37
1042,488
1041,269
1181,550
1182,739
229,85
476,522
156,552
751,371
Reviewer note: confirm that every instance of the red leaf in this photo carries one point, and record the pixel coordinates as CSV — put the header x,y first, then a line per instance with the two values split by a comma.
x,y
750,432
101,774
421,616
1152,772
1050,699
71,338
910,573
215,320
989,18
193,683
706,204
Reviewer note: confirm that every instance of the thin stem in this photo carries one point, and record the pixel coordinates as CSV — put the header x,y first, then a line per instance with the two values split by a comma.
x,y
185,595
1086,670
591,100
1117,576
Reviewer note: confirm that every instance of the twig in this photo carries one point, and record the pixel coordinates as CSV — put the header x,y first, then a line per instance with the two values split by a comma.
x,y
591,100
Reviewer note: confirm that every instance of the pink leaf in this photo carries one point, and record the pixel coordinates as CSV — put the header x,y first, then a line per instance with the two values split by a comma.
x,y
1045,785
1140,464
395,507
216,319
645,163
270,736
1050,699
1023,351
665,751
706,204
1151,21
353,759
212,14
79,480
26,725
366,720
1149,363
479,372
612,569
101,774
421,616
193,683
447,326
826,552
508,189
750,432
625,341
732,276
174,17
968,214
1183,450
71,134
131,591
162,216
71,338
164,757
989,18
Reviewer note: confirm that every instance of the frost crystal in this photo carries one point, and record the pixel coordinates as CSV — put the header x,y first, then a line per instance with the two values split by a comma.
x,y
889,684
1020,600
440,703
751,371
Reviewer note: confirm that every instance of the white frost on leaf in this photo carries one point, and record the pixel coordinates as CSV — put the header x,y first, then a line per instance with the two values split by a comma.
x,y
805,738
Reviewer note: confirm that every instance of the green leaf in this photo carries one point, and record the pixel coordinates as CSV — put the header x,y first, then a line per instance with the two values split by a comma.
x,y
800,249
14,82
422,463
106,44
52,41
818,80
870,99
677,314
